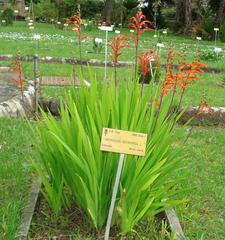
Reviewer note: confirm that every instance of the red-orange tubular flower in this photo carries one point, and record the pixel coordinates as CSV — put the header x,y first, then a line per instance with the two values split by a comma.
x,y
169,84
145,58
140,25
117,44
75,23
17,68
186,75
204,107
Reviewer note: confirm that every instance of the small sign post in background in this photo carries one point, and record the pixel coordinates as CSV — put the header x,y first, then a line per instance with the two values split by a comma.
x,y
106,29
123,142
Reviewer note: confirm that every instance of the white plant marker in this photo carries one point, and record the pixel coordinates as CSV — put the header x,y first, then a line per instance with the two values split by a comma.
x,y
216,34
106,29
152,60
37,37
115,190
159,46
16,13
198,40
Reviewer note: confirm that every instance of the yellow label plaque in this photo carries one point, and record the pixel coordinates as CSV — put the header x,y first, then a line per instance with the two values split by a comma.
x,y
119,141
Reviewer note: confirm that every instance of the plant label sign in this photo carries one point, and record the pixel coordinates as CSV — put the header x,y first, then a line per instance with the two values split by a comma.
x,y
123,142
126,142
106,28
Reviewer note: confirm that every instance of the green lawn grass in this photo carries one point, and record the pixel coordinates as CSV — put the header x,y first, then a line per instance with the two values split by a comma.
x,y
63,43
57,42
16,154
202,216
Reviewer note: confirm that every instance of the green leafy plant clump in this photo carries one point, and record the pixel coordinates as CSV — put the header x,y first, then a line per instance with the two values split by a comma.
x,y
73,168
7,16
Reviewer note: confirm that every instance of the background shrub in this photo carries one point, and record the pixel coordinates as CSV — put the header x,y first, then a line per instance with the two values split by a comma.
x,y
222,32
210,55
8,16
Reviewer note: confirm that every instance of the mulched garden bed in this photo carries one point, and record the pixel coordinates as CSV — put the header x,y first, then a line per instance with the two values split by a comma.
x,y
40,223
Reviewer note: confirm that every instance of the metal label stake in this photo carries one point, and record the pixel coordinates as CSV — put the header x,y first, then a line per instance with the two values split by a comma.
x,y
115,190
115,140
106,29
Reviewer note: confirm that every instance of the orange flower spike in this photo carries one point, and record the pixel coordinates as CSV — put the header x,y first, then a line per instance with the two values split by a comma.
x,y
139,23
169,83
117,44
145,58
75,23
204,107
17,69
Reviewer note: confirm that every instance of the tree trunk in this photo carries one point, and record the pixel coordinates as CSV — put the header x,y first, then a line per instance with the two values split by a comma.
x,y
180,11
106,16
201,6
184,15
221,12
188,17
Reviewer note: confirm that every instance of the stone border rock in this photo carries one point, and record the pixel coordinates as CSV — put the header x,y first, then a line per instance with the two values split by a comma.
x,y
60,60
91,62
212,116
18,106
28,212
216,116
174,224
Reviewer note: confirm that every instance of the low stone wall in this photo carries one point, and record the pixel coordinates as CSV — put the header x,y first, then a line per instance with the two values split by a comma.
x,y
60,60
19,106
216,116
91,62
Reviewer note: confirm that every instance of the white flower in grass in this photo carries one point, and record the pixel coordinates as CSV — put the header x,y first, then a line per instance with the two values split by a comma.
x,y
30,24
199,38
26,8
66,24
16,11
165,32
216,29
132,31
3,21
31,21
58,23
98,40
117,31
31,27
155,36
85,25
160,45
36,36
217,50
